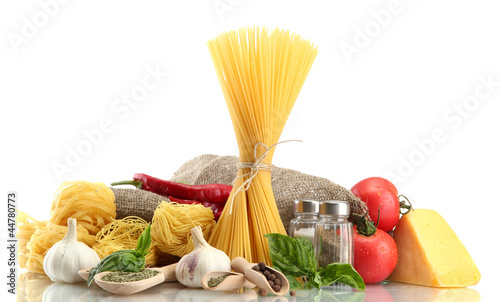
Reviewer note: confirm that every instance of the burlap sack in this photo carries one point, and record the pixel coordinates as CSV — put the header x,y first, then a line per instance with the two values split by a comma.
x,y
133,202
288,185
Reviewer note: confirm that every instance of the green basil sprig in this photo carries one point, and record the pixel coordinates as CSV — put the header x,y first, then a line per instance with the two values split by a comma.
x,y
125,260
295,257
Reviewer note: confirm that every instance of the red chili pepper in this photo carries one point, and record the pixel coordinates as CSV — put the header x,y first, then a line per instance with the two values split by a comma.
x,y
212,193
216,208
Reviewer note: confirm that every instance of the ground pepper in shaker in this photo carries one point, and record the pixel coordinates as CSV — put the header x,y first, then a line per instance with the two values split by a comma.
x,y
306,219
334,234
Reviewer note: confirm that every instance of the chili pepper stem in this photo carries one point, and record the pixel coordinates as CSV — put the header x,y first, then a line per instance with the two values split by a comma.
x,y
136,183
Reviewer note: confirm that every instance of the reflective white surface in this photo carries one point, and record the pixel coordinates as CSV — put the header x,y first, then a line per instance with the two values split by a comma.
x,y
36,287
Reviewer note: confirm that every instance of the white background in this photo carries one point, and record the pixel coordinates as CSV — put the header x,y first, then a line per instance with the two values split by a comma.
x,y
359,115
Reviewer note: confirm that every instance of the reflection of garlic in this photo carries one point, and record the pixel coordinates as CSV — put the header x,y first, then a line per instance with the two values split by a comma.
x,y
65,258
201,260
64,292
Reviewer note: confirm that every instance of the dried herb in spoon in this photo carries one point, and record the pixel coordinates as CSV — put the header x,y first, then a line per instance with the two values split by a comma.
x,y
213,282
121,277
125,260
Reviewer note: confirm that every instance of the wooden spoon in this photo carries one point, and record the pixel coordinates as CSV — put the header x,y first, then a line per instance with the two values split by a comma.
x,y
84,273
241,265
167,274
233,282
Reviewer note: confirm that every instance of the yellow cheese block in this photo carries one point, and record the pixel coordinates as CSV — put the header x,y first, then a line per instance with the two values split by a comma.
x,y
430,253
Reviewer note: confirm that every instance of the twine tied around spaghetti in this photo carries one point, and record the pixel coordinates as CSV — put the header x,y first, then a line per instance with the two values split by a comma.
x,y
254,167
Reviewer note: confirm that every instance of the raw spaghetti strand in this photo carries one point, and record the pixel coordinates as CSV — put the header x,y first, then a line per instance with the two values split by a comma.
x,y
261,75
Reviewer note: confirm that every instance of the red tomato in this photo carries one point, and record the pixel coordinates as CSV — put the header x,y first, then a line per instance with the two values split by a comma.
x,y
375,192
375,256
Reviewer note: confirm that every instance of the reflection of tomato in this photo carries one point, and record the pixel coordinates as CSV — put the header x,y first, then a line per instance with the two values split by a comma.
x,y
375,192
376,293
375,256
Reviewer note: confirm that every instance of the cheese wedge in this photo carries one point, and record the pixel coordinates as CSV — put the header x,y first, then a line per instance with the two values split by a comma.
x,y
430,253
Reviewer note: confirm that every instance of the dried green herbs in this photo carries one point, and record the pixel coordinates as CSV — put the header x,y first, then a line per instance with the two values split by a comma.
x,y
213,282
121,277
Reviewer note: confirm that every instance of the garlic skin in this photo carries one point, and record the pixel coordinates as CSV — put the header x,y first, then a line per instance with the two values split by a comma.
x,y
203,259
65,258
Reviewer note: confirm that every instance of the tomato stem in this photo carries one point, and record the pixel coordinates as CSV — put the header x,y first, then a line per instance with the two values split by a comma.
x,y
405,205
365,226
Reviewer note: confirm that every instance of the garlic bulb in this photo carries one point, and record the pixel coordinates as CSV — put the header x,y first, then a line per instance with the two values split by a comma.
x,y
65,258
203,259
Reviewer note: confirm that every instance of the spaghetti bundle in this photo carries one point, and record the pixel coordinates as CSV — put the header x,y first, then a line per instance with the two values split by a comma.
x,y
172,224
261,75
91,204
121,234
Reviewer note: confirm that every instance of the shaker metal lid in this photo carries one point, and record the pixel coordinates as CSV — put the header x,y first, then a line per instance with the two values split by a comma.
x,y
306,206
334,207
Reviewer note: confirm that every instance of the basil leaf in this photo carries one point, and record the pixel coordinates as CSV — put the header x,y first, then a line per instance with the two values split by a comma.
x,y
144,241
108,263
306,256
130,262
284,254
125,260
315,280
294,283
343,273
295,257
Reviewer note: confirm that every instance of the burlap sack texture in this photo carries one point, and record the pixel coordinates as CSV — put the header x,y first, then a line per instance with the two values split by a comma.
x,y
133,202
288,185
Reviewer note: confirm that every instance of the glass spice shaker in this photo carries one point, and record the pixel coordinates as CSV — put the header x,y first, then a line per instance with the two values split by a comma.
x,y
334,236
305,221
